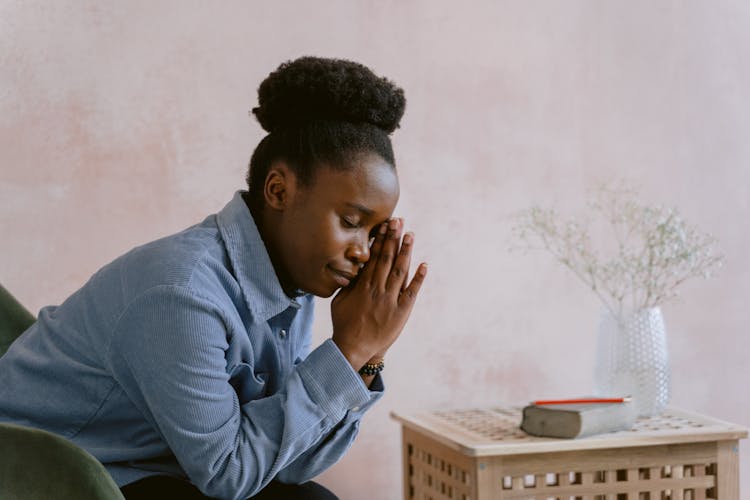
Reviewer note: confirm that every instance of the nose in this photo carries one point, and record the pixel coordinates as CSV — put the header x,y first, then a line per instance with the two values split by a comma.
x,y
358,250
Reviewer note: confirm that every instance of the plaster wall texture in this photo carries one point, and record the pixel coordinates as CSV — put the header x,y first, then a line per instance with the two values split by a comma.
x,y
121,122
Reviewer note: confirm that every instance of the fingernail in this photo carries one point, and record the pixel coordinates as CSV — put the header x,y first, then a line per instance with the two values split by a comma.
x,y
383,227
408,237
422,269
393,224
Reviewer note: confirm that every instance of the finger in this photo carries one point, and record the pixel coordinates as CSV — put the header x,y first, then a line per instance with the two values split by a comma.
x,y
409,295
387,254
400,270
377,244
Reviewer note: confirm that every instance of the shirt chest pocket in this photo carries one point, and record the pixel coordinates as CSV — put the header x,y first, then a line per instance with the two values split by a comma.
x,y
247,384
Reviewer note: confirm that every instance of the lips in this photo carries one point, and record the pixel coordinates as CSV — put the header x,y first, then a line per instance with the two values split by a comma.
x,y
343,278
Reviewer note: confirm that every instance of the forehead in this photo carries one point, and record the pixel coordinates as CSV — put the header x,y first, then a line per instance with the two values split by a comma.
x,y
370,182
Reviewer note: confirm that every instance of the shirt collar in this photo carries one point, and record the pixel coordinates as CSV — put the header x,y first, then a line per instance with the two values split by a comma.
x,y
255,274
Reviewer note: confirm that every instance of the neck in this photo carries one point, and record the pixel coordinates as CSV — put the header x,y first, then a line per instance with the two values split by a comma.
x,y
264,219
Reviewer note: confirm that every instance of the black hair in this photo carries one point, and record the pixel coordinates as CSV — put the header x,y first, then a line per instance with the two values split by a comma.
x,y
322,111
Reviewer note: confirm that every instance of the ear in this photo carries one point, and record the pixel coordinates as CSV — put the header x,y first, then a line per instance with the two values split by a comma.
x,y
280,187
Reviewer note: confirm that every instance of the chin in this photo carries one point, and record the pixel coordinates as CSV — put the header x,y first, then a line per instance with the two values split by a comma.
x,y
326,292
322,285
322,291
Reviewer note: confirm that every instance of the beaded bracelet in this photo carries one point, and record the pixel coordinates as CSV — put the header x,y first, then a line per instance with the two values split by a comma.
x,y
372,368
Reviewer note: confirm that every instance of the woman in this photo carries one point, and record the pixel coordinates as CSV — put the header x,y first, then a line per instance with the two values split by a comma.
x,y
185,365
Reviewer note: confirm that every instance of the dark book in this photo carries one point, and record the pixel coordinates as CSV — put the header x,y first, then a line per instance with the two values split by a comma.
x,y
578,419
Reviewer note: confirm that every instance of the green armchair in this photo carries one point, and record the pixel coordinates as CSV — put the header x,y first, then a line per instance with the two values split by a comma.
x,y
39,464
14,319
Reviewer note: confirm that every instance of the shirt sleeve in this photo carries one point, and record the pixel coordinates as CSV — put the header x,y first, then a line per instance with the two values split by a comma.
x,y
331,447
168,354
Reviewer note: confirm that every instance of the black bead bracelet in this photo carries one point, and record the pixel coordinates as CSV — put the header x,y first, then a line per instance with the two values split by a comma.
x,y
372,368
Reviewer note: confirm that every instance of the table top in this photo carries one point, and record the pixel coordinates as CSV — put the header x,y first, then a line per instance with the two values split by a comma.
x,y
496,431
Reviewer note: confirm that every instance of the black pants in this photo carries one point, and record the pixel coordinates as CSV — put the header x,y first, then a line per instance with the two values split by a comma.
x,y
167,488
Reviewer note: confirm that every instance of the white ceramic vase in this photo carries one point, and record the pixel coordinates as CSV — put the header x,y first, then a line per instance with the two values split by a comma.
x,y
632,359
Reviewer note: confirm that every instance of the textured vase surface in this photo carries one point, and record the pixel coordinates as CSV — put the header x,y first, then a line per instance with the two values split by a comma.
x,y
633,360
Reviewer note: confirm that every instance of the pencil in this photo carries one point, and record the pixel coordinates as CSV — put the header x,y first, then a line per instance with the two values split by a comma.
x,y
581,401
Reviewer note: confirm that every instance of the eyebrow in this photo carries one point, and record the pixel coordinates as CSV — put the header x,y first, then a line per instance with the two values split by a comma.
x,y
361,208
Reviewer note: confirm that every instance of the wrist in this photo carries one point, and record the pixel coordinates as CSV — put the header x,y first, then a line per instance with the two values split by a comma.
x,y
378,358
354,356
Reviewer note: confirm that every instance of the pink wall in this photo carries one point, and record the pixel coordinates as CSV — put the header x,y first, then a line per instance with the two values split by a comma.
x,y
123,122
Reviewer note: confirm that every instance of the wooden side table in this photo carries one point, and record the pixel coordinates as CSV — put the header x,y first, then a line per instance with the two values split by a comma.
x,y
481,454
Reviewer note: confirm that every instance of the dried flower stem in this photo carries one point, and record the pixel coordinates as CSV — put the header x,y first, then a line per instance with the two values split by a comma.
x,y
656,250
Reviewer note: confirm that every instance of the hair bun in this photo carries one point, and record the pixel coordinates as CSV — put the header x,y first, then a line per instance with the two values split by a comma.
x,y
318,89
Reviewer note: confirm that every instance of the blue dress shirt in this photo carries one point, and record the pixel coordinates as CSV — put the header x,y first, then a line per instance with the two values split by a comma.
x,y
185,356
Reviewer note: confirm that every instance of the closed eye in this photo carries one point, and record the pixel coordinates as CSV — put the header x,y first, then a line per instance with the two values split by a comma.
x,y
349,223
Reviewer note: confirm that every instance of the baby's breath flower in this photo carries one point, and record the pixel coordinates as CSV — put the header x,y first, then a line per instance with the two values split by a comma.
x,y
656,250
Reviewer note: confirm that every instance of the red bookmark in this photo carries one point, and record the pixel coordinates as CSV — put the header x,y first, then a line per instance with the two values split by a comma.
x,y
581,401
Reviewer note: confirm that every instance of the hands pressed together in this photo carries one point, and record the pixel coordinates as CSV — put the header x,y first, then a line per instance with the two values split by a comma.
x,y
370,313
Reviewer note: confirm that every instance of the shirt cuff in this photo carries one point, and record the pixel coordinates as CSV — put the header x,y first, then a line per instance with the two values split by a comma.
x,y
332,382
376,392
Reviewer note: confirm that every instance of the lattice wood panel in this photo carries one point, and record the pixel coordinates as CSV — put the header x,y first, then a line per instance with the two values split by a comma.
x,y
502,424
437,466
496,424
436,474
667,482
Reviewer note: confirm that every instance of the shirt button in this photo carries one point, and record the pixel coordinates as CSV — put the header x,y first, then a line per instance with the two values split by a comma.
x,y
356,408
282,333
